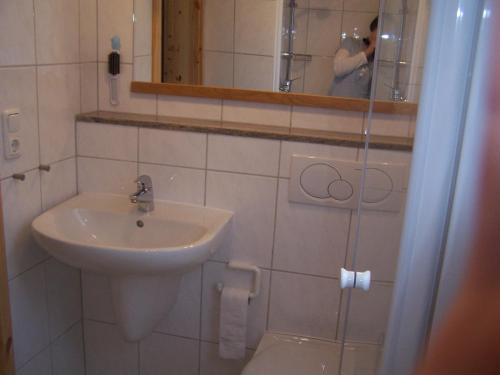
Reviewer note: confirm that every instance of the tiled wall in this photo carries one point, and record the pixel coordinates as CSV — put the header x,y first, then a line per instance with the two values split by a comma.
x,y
41,60
239,39
300,247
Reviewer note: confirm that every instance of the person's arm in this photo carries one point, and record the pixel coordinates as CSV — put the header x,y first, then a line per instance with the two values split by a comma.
x,y
344,64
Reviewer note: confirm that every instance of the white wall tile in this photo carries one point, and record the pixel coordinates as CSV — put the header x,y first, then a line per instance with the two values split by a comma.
x,y
184,318
319,75
187,107
143,27
326,4
22,97
243,154
143,68
252,199
327,119
363,326
218,25
183,149
323,32
30,322
115,18
128,101
309,239
212,364
59,184
300,37
176,184
39,365
218,68
248,38
256,113
23,199
389,124
88,80
17,33
88,30
304,305
107,141
106,176
161,354
63,296
106,352
97,303
288,149
362,5
378,246
214,273
357,23
57,31
58,102
67,353
253,72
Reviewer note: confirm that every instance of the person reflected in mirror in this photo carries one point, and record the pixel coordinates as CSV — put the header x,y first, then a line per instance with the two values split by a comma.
x,y
353,65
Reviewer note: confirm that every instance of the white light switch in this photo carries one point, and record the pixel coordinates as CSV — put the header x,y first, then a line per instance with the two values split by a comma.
x,y
11,124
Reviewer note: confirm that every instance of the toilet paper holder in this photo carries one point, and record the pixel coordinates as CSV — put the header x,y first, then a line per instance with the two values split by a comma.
x,y
235,265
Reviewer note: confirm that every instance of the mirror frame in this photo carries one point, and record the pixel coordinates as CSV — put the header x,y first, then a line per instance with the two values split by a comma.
x,y
297,99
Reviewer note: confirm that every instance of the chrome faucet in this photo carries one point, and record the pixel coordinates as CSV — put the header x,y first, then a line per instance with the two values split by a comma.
x,y
144,195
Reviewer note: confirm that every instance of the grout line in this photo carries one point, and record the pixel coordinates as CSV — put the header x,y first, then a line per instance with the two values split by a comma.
x,y
44,272
206,172
82,319
200,327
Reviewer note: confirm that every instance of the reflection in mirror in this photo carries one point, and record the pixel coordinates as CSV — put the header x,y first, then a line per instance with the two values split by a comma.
x,y
320,47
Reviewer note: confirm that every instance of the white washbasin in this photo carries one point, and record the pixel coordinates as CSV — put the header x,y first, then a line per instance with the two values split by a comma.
x,y
144,254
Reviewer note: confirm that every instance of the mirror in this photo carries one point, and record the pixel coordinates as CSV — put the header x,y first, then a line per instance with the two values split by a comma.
x,y
318,47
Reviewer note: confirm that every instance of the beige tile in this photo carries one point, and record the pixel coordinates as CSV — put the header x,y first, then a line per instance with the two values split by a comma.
x,y
248,38
253,72
256,113
17,33
243,154
184,318
161,354
177,148
176,184
252,199
67,352
323,37
106,176
311,149
218,69
57,110
212,364
301,25
39,365
23,98
88,79
362,5
357,24
63,296
107,141
183,106
106,352
309,239
97,299
88,30
30,325
214,273
143,27
23,198
326,4
57,31
142,68
128,101
367,327
319,76
59,183
388,124
327,119
218,25
304,305
115,18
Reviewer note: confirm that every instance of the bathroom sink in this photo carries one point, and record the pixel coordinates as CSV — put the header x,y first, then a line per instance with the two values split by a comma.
x,y
106,233
144,254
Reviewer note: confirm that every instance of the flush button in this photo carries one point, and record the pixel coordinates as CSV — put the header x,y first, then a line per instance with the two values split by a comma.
x,y
340,190
316,178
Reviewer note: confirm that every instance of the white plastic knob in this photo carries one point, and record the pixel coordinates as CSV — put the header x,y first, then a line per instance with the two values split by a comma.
x,y
358,280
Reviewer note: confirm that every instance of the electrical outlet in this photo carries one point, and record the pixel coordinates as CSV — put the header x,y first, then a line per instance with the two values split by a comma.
x,y
11,124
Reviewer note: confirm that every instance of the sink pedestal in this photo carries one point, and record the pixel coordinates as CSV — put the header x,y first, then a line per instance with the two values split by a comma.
x,y
141,302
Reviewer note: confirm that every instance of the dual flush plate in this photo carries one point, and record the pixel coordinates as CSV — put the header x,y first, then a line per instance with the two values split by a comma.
x,y
337,183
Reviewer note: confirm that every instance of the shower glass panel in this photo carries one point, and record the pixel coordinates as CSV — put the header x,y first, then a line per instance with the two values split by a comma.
x,y
375,231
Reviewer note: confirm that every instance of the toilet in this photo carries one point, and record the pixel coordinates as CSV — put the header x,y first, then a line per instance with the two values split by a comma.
x,y
281,354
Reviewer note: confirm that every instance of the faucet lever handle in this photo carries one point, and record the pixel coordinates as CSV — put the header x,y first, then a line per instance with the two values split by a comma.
x,y
144,182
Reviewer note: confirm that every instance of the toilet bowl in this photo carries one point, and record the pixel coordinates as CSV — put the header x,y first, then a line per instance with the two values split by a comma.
x,y
280,354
